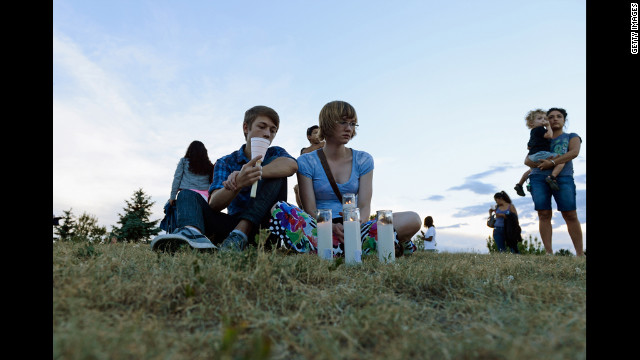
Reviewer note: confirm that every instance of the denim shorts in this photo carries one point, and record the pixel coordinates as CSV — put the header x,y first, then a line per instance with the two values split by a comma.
x,y
541,193
541,155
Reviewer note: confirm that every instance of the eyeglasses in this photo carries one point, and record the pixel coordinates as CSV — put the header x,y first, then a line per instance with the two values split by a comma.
x,y
343,123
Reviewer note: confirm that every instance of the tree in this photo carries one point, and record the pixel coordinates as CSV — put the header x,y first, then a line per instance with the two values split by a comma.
x,y
87,229
66,230
527,246
135,224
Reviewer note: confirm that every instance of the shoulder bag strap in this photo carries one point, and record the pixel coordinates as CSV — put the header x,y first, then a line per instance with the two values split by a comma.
x,y
327,170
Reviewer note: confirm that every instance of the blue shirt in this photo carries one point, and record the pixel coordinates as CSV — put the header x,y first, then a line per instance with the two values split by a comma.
x,y
234,162
309,165
560,145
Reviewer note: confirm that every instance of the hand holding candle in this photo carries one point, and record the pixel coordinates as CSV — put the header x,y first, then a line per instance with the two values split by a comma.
x,y
258,147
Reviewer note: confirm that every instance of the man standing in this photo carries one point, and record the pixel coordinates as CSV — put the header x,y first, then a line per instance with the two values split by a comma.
x,y
232,179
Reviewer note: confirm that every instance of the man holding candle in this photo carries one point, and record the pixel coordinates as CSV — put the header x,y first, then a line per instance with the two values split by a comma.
x,y
233,176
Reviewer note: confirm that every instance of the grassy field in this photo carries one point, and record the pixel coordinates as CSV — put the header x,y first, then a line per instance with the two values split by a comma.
x,y
123,301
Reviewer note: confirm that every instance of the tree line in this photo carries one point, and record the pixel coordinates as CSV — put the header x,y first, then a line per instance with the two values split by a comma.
x,y
134,224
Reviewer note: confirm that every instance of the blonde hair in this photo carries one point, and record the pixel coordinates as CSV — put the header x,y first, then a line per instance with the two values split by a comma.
x,y
333,112
531,116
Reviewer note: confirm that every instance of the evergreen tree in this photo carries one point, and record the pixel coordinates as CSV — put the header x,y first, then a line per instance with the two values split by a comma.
x,y
66,231
135,224
87,229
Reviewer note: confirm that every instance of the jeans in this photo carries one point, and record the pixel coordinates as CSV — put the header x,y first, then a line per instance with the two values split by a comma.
x,y
193,210
499,237
541,193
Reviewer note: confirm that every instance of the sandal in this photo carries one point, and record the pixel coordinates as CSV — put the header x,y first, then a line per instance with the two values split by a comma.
x,y
553,183
519,190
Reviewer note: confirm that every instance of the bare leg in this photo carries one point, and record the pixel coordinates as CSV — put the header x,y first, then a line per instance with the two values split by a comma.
x,y
524,177
575,230
557,169
544,226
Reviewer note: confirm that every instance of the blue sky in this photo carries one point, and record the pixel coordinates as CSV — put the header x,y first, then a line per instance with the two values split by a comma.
x,y
441,90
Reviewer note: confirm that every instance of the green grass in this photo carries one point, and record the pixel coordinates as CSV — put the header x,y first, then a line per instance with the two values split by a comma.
x,y
123,301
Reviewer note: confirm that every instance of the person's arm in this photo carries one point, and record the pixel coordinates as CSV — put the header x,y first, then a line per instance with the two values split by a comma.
x,y
177,178
365,191
281,167
221,198
307,197
549,133
512,208
572,153
430,238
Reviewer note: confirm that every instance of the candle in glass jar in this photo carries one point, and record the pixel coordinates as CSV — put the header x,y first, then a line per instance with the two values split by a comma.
x,y
352,242
348,201
386,238
325,236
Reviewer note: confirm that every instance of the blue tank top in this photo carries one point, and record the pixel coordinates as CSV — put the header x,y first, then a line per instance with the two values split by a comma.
x,y
500,220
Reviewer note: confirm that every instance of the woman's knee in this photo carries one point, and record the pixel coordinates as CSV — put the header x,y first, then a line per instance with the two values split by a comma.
x,y
407,222
544,215
570,216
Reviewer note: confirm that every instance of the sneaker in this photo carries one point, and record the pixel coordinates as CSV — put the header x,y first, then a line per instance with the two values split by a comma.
x,y
553,184
519,190
181,237
234,242
408,248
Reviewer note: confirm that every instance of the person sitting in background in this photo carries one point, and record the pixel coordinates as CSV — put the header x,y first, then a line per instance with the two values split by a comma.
x,y
194,172
314,141
315,144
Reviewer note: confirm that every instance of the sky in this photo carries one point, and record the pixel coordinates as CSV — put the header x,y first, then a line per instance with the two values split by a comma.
x,y
441,90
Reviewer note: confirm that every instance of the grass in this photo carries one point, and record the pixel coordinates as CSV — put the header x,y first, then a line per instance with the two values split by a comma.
x,y
123,301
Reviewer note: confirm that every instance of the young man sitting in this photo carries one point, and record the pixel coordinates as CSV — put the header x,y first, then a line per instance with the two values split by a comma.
x,y
234,174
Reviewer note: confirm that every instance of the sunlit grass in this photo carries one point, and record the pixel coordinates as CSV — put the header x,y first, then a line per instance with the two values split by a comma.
x,y
125,301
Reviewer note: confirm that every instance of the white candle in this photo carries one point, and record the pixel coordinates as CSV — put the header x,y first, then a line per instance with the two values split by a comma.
x,y
386,249
349,201
325,240
352,241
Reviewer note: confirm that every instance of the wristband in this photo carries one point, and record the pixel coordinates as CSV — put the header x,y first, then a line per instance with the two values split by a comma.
x,y
554,163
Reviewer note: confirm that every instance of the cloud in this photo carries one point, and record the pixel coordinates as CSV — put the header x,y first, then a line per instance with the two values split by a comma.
x,y
496,169
454,226
434,198
476,187
473,210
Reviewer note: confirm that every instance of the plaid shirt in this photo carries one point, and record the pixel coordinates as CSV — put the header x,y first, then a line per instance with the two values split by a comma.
x,y
234,162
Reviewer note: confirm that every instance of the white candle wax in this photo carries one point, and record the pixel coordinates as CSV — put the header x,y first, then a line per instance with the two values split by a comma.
x,y
348,205
386,249
351,241
325,240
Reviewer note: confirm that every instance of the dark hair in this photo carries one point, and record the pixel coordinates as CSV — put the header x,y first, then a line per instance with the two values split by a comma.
x,y
199,162
561,110
428,222
502,195
310,130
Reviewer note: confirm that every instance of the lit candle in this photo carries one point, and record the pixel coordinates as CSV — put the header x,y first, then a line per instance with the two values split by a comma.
x,y
352,241
386,249
325,236
348,201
